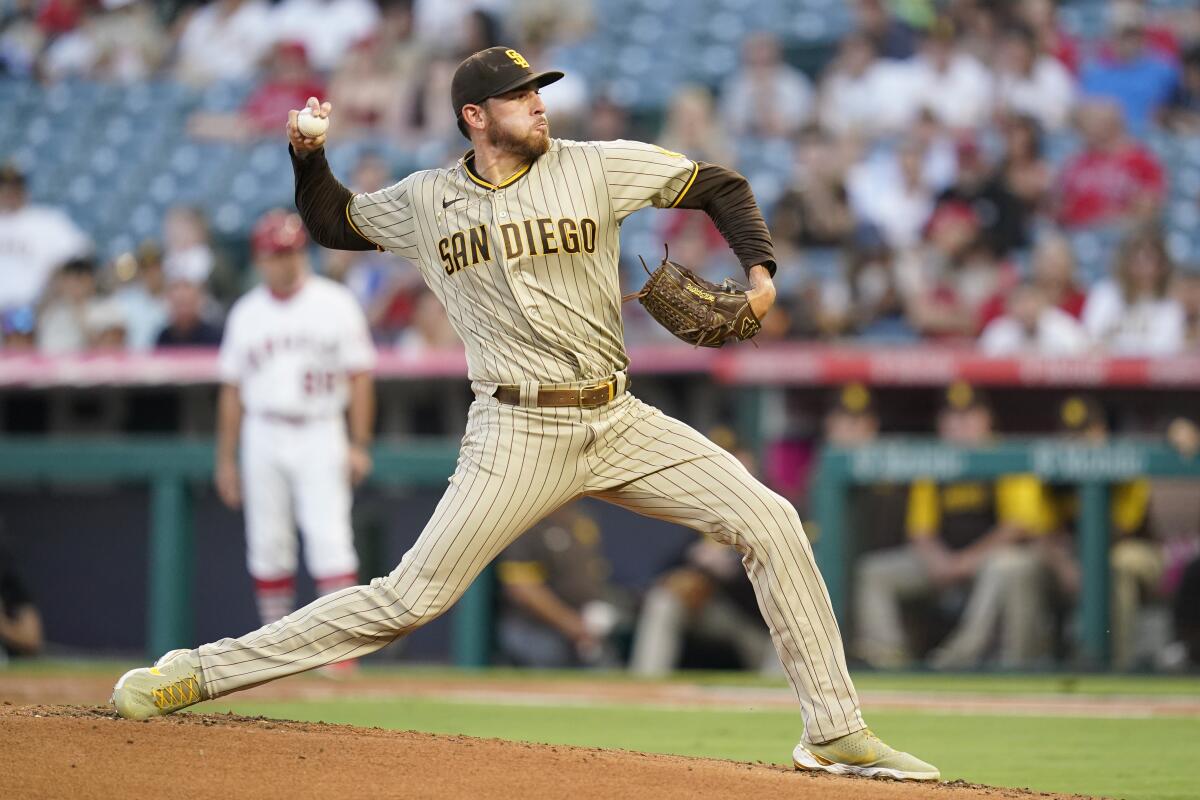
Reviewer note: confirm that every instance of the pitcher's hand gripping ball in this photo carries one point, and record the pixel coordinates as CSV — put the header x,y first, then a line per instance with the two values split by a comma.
x,y
310,124
698,311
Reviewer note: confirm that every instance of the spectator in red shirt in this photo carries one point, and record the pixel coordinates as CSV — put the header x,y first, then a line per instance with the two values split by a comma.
x,y
1054,277
289,82
1113,180
57,17
958,274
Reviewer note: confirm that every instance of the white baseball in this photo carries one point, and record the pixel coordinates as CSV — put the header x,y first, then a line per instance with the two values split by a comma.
x,y
310,125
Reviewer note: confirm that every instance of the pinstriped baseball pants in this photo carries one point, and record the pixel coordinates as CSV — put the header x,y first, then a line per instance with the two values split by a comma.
x,y
516,465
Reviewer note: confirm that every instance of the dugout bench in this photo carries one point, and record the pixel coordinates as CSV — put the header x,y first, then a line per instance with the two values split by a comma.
x,y
1092,468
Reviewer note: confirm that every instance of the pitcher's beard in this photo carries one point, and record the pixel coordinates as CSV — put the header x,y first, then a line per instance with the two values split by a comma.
x,y
532,145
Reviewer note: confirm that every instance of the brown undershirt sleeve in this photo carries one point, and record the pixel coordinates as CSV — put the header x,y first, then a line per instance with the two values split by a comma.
x,y
322,200
726,197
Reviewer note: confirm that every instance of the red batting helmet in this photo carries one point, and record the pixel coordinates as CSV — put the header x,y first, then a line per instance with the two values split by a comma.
x,y
278,231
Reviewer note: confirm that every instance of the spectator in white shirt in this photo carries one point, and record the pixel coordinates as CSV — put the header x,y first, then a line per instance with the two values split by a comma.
x,y
692,127
34,242
892,195
118,40
188,253
863,95
223,41
1032,325
327,28
63,322
143,296
1031,83
442,23
766,98
952,84
1133,313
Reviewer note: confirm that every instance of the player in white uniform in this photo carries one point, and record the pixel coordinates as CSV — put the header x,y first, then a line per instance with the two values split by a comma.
x,y
296,353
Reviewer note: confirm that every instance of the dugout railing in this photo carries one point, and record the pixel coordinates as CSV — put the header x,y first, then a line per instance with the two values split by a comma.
x,y
1092,468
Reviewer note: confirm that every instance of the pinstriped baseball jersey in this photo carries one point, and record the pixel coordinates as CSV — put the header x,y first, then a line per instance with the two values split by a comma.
x,y
528,269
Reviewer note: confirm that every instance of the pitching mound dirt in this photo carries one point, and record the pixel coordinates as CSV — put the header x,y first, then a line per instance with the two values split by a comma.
x,y
87,752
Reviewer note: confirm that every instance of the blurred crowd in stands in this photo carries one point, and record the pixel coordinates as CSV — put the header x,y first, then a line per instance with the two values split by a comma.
x,y
953,171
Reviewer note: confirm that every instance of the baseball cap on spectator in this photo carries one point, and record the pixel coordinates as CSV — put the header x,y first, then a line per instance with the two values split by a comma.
x,y
493,72
962,396
1079,413
292,47
952,212
278,232
854,399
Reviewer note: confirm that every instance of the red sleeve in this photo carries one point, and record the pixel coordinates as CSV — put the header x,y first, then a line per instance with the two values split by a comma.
x,y
1069,211
1072,303
1149,172
1067,51
992,308
1163,39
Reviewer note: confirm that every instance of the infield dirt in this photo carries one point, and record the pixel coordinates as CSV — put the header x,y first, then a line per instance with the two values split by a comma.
x,y
56,751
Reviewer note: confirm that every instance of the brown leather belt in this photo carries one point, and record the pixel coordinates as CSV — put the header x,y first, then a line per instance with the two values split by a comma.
x,y
599,394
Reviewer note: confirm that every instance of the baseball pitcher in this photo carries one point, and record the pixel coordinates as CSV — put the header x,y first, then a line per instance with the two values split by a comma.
x,y
295,355
519,241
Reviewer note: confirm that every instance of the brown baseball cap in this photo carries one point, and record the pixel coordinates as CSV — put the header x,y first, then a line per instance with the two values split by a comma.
x,y
493,72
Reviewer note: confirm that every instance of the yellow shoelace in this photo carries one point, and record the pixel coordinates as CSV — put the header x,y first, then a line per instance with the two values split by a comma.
x,y
183,692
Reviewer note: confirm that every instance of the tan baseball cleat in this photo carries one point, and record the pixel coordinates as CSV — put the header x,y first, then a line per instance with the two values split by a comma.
x,y
865,754
174,682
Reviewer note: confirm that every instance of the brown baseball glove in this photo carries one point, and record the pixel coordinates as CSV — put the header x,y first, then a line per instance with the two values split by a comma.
x,y
700,312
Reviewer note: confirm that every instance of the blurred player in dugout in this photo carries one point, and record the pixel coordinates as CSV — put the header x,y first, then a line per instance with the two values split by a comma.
x,y
296,410
557,605
1136,557
20,622
876,510
971,548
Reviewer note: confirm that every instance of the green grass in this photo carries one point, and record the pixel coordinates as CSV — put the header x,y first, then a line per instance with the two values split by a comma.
x,y
1138,759
1147,759
981,683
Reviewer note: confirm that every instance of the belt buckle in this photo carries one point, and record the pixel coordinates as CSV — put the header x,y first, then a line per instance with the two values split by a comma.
x,y
611,383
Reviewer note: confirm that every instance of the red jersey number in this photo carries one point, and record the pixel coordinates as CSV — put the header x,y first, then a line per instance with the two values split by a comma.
x,y
317,382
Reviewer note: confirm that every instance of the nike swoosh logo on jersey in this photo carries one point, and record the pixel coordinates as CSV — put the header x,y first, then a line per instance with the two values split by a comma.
x,y
447,203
